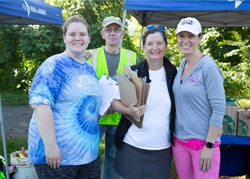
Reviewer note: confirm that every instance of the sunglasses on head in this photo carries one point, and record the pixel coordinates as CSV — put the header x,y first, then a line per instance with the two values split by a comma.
x,y
150,27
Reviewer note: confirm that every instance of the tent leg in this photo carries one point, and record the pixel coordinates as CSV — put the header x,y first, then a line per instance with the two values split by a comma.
x,y
123,23
4,141
139,46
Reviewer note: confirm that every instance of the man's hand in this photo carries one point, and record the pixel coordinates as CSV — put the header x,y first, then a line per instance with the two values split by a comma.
x,y
87,55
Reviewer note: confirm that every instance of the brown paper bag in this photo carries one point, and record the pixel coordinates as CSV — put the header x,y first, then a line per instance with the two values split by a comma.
x,y
243,123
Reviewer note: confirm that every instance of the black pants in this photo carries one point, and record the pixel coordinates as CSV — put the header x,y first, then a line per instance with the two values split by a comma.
x,y
135,163
86,171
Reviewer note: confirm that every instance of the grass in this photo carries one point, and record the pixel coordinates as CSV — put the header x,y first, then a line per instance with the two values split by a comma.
x,y
21,99
15,144
12,145
243,103
14,99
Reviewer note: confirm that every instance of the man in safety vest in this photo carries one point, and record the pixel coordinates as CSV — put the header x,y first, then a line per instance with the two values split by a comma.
x,y
107,60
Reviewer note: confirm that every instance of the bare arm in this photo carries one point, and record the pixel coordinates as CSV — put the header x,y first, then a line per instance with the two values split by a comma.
x,y
207,153
45,124
213,133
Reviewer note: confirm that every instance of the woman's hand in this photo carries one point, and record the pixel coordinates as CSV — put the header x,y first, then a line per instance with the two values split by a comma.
x,y
135,111
206,159
131,110
53,156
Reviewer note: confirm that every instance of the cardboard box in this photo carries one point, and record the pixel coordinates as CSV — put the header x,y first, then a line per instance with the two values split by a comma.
x,y
243,123
230,120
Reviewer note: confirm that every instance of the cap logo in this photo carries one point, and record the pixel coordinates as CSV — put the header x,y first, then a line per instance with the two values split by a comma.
x,y
189,22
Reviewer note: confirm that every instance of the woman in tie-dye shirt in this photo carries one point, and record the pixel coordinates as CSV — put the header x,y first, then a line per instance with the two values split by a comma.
x,y
63,132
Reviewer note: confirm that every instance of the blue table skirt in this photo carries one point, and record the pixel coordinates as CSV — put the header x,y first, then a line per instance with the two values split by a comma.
x,y
235,155
238,140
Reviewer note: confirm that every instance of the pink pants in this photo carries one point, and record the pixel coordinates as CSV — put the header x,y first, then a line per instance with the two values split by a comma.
x,y
187,163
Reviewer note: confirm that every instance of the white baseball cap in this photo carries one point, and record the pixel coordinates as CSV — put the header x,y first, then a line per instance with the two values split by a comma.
x,y
189,24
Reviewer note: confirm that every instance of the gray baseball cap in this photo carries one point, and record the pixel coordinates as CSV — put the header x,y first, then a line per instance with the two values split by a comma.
x,y
111,20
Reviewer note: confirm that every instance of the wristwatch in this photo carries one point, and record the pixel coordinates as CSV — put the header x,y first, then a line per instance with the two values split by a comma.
x,y
209,145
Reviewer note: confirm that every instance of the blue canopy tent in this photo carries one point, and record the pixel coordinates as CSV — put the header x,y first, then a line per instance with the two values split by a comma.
x,y
25,12
210,13
29,12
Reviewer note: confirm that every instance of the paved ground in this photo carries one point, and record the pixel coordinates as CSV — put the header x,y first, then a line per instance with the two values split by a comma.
x,y
16,121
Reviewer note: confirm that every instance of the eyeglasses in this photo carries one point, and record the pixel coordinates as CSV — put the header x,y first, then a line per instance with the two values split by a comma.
x,y
109,30
150,27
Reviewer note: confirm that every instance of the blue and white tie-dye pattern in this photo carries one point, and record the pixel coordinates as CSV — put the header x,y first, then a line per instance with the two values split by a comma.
x,y
72,91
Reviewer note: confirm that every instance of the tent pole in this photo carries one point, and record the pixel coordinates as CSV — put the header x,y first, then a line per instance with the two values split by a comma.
x,y
123,24
3,140
139,46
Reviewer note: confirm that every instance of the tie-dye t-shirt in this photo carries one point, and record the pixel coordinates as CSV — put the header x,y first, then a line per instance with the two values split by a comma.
x,y
72,91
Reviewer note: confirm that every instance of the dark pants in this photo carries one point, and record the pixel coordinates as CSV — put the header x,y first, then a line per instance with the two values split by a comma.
x,y
86,171
135,163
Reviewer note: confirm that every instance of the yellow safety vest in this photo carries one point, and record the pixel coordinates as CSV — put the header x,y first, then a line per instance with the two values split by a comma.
x,y
98,60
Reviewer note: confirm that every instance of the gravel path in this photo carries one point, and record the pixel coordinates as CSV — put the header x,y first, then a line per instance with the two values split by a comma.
x,y
16,121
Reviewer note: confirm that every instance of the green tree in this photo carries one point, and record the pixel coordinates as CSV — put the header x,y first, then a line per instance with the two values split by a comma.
x,y
94,11
24,48
10,56
230,49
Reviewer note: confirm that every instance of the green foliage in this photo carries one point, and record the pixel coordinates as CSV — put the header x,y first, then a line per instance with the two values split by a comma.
x,y
224,44
40,42
229,47
24,48
243,102
102,148
173,52
94,11
13,145
10,56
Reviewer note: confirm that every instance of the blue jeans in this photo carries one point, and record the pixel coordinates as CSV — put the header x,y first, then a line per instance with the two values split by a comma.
x,y
108,167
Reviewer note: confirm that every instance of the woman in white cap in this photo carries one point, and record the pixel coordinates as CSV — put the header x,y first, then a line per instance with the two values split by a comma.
x,y
200,107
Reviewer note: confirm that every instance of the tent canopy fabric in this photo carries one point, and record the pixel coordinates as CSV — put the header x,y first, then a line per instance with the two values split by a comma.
x,y
210,13
29,12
